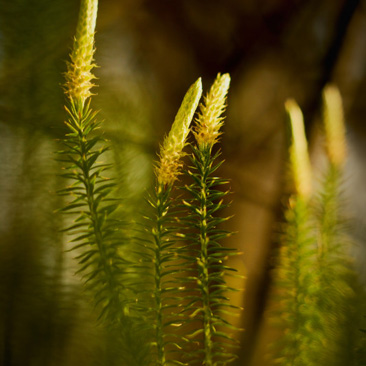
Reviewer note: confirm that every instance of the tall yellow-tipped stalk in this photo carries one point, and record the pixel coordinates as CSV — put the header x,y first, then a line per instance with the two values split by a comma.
x,y
339,281
299,157
209,120
295,306
98,236
169,165
333,118
79,76
167,170
207,197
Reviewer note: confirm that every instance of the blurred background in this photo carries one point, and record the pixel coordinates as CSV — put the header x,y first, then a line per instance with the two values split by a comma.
x,y
149,52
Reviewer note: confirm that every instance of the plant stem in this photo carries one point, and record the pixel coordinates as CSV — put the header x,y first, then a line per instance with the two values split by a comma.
x,y
167,169
159,232
211,305
337,277
204,164
296,285
96,218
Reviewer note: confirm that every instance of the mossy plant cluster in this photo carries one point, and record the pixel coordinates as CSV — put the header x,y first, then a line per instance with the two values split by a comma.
x,y
316,294
161,293
140,297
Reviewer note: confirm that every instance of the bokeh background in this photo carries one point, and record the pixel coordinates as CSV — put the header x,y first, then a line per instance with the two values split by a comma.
x,y
149,52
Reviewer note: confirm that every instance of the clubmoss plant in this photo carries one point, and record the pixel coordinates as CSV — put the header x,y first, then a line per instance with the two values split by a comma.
x,y
94,226
315,280
210,305
163,253
296,311
100,243
184,256
97,235
336,276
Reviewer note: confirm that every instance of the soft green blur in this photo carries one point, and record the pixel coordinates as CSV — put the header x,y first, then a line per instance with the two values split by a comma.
x,y
148,54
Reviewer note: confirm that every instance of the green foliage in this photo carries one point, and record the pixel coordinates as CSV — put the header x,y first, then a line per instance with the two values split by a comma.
x,y
99,239
162,296
165,292
96,233
296,287
210,305
315,284
162,253
98,236
337,278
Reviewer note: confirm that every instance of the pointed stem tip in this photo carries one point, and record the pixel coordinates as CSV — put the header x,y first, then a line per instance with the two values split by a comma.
x,y
210,118
168,167
299,156
335,131
79,71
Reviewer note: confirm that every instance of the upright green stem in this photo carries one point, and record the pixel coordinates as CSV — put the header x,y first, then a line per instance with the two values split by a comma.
x,y
336,275
297,253
159,232
88,190
95,216
211,304
206,201
204,165
330,210
296,280
167,170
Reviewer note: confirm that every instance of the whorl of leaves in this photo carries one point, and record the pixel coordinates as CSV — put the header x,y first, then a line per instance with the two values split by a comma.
x,y
95,232
210,305
167,276
98,238
337,278
296,290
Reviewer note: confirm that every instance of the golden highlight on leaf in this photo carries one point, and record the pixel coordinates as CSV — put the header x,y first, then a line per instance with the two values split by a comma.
x,y
79,76
209,120
333,118
299,157
169,165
